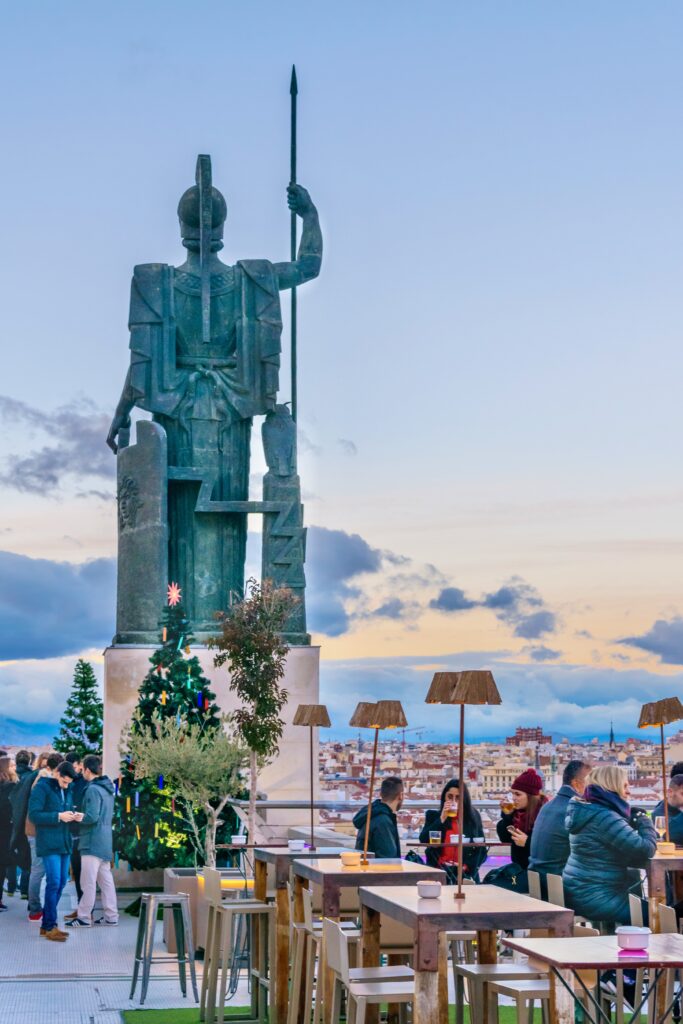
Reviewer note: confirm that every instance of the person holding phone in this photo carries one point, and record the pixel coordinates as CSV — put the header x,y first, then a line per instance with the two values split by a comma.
x,y
446,822
50,809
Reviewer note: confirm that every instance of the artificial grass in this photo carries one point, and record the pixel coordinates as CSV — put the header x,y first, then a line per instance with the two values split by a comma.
x,y
506,1015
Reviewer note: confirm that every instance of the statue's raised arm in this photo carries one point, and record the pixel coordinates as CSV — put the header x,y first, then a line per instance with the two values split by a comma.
x,y
309,258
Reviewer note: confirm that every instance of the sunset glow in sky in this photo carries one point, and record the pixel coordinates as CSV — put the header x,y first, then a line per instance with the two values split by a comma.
x,y
491,359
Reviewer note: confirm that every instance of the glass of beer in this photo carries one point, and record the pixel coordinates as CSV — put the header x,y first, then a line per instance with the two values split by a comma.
x,y
434,838
507,804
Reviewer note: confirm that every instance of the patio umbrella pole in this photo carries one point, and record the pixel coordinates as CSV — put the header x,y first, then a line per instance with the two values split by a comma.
x,y
460,895
372,786
666,802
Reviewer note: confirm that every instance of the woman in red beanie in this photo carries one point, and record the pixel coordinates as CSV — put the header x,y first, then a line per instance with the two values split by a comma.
x,y
516,826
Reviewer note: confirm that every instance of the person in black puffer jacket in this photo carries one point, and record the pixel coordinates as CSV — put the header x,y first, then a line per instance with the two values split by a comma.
x,y
384,840
607,842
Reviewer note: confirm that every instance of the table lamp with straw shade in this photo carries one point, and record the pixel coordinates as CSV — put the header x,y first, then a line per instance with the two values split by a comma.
x,y
385,714
470,687
661,713
314,716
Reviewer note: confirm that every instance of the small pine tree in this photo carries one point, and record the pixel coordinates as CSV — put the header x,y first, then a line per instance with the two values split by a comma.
x,y
80,727
149,828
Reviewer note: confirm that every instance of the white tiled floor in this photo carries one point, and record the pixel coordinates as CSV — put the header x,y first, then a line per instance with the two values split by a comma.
x,y
85,980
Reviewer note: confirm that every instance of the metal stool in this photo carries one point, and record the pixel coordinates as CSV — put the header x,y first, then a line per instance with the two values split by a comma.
x,y
179,905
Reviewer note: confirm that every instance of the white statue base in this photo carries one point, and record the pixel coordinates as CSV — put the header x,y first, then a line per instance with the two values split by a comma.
x,y
286,778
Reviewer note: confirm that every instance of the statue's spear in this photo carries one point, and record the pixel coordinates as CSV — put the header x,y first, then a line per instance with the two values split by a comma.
x,y
293,90
205,224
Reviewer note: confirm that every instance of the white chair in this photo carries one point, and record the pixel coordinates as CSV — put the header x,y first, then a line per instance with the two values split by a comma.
x,y
361,994
306,949
534,880
478,977
555,890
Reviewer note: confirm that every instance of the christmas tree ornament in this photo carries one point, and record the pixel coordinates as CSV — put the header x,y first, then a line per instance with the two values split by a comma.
x,y
174,594
127,805
137,798
160,783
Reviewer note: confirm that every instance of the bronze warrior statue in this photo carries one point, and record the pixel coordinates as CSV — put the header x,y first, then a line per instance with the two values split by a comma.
x,y
205,357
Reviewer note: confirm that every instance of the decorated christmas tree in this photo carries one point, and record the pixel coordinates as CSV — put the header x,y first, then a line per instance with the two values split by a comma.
x,y
80,727
149,829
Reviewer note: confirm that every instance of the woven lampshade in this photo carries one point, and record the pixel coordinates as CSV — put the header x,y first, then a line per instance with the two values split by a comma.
x,y
661,712
389,714
312,714
474,686
364,715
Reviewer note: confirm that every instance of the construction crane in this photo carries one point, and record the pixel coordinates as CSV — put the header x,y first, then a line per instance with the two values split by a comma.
x,y
418,732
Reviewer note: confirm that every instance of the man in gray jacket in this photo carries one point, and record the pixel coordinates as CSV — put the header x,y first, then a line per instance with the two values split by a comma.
x,y
550,839
96,846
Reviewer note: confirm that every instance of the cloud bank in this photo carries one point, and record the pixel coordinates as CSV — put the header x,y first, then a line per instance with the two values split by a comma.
x,y
516,603
78,431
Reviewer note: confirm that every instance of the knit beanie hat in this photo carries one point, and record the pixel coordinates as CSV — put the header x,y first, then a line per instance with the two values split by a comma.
x,y
529,782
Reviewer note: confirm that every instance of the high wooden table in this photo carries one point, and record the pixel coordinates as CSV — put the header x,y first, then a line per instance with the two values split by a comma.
x,y
657,870
485,909
332,877
656,882
282,858
565,957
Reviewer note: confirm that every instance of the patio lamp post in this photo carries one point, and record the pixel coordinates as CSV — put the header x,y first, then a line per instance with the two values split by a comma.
x,y
470,687
661,713
385,714
314,716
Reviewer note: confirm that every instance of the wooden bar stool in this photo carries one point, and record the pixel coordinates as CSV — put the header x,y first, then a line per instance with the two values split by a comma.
x,y
179,905
217,971
384,986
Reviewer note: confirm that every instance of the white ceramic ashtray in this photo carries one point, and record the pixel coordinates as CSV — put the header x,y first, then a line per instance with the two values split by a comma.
x,y
350,858
296,845
632,937
239,840
428,890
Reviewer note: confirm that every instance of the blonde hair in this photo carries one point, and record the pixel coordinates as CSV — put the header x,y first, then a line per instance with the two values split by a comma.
x,y
609,777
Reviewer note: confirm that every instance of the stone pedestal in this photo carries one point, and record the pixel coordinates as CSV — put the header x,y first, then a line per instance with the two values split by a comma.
x,y
286,778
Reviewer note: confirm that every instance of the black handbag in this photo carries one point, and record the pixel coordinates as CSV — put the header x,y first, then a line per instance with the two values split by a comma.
x,y
510,876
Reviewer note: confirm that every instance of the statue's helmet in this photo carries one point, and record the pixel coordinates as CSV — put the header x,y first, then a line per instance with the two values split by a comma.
x,y
189,214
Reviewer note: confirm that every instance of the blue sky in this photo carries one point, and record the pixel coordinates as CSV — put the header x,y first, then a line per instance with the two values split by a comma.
x,y
490,360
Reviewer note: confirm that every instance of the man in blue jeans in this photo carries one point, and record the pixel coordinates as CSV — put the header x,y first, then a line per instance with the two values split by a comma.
x,y
50,808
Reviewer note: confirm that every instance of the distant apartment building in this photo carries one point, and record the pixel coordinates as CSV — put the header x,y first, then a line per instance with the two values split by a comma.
x,y
526,734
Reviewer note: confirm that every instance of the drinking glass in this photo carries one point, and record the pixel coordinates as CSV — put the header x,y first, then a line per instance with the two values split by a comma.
x,y
660,825
434,838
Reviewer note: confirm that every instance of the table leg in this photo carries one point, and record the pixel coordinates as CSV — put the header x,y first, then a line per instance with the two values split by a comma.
x,y
487,953
299,885
427,1010
259,935
561,1003
392,1010
656,893
370,951
281,965
443,977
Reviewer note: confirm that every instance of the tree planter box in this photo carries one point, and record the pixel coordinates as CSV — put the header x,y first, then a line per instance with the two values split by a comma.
x,y
143,880
191,881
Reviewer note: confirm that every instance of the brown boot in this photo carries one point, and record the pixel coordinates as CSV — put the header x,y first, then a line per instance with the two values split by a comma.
x,y
71,917
54,935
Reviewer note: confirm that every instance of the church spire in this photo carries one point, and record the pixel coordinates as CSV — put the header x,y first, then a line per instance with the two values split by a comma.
x,y
612,741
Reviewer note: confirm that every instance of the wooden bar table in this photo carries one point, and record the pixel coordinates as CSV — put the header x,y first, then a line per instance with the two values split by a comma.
x,y
485,909
656,882
332,876
657,870
282,858
565,957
